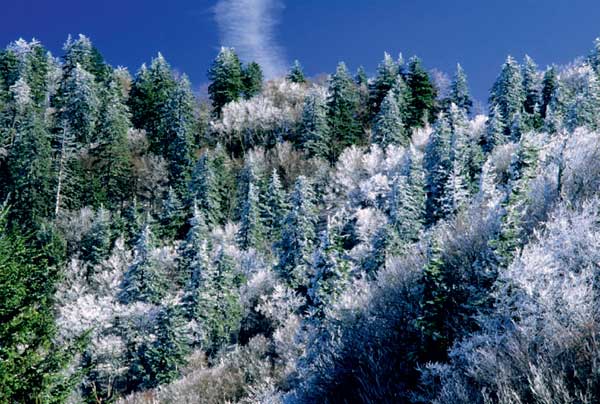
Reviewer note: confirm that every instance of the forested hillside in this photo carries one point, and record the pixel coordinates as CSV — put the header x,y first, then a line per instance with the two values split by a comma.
x,y
342,239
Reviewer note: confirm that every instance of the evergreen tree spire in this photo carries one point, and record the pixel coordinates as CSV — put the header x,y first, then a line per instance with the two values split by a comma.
x,y
251,232
423,94
389,127
252,80
226,79
314,130
459,90
296,74
387,72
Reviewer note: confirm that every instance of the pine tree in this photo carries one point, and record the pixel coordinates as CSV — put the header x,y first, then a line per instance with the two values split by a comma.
x,y
314,131
494,133
176,127
387,72
549,86
143,280
79,103
584,110
423,94
32,65
342,113
389,127
113,165
29,162
171,217
200,275
331,272
274,207
296,74
508,93
438,165
190,248
459,90
226,79
164,356
298,234
204,188
253,80
531,87
96,243
456,193
376,256
251,232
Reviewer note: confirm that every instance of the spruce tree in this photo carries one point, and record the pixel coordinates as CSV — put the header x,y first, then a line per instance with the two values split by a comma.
x,y
494,133
171,217
343,111
297,238
190,247
274,210
143,280
96,243
423,94
204,188
296,74
508,93
549,87
531,87
253,80
459,90
226,79
387,72
314,131
376,256
251,232
438,165
389,127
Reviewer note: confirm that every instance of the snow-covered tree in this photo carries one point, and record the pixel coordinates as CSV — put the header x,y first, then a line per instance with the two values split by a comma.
x,y
226,78
314,133
296,74
389,127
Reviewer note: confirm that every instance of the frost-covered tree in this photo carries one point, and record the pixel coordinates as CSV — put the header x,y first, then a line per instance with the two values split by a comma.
x,y
531,88
384,81
172,215
274,208
549,86
204,188
296,74
96,243
459,90
508,93
314,132
251,232
190,248
389,127
226,79
298,236
438,166
494,133
143,280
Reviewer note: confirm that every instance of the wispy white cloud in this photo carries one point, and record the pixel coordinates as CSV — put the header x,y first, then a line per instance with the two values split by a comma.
x,y
249,26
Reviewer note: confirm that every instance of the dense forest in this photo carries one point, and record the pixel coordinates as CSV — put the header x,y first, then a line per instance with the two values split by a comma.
x,y
337,239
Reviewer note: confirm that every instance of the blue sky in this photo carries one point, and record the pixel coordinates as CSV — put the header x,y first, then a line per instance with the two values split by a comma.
x,y
478,34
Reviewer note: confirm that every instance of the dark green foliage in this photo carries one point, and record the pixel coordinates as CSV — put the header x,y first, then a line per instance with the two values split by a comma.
x,y
342,112
549,86
96,243
253,80
274,208
389,127
206,191
423,94
387,72
459,90
296,74
438,165
315,135
226,79
251,232
190,250
172,215
374,260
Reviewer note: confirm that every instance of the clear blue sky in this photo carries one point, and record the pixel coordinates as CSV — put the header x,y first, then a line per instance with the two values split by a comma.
x,y
477,33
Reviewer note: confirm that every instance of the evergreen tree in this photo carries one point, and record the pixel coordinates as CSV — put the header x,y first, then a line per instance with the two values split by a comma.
x,y
375,259
251,232
314,131
96,243
296,74
33,368
177,120
204,188
494,133
438,165
549,86
253,80
226,79
113,165
274,207
508,93
331,272
171,217
29,162
456,193
195,261
459,90
297,238
584,110
143,280
531,87
190,248
342,111
387,72
159,361
389,127
423,94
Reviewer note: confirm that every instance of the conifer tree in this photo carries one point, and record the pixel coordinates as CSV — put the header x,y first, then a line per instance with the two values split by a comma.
x,y
96,243
314,131
251,232
423,94
387,72
195,261
29,162
549,87
508,93
190,247
296,74
226,79
171,217
252,79
342,111
204,188
331,272
298,234
143,280
456,193
113,165
376,256
438,165
459,90
531,87
389,127
494,133
274,207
